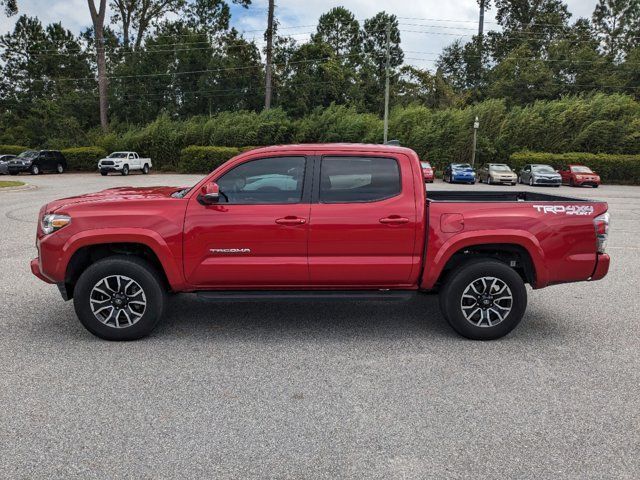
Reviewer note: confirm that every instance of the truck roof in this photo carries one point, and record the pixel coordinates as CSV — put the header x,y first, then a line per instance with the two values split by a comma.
x,y
355,147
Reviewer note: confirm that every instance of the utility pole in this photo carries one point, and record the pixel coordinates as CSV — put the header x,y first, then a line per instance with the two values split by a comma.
x,y
386,84
267,87
476,125
481,22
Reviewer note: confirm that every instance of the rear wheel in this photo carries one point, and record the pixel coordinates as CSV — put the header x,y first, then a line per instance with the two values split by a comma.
x,y
13,173
145,169
119,298
59,168
483,299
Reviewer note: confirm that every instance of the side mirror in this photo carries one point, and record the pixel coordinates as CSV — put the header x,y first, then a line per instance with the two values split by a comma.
x,y
209,194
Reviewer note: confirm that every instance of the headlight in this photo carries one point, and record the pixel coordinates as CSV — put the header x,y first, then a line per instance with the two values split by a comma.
x,y
53,222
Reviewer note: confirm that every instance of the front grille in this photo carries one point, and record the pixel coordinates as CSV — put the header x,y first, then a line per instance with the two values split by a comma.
x,y
107,162
547,180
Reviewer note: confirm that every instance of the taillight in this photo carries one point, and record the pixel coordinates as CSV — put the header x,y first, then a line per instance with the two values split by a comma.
x,y
601,224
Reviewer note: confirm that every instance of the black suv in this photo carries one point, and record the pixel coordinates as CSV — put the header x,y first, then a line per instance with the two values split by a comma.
x,y
36,161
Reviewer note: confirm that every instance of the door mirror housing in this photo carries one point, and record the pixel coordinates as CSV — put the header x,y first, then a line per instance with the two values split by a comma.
x,y
209,194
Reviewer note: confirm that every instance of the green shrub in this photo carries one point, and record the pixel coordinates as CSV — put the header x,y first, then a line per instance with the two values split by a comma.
x,y
12,149
203,159
612,168
83,159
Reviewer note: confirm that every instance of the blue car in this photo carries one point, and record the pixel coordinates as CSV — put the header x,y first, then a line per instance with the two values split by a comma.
x,y
459,172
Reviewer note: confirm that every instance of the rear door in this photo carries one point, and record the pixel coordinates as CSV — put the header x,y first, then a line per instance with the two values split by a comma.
x,y
363,221
256,236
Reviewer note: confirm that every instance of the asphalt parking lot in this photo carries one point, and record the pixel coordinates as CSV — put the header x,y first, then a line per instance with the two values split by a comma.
x,y
328,390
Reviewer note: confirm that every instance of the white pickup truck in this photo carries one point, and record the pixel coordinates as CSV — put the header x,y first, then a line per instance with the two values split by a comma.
x,y
124,162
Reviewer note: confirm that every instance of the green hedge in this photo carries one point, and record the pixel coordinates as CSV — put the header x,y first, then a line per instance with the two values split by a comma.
x,y
12,149
202,159
83,159
611,168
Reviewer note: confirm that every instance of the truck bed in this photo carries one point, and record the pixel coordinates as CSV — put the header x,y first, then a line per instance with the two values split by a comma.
x,y
497,196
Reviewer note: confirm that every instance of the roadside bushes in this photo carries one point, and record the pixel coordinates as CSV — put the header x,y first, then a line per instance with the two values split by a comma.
x,y
83,159
12,149
611,167
202,159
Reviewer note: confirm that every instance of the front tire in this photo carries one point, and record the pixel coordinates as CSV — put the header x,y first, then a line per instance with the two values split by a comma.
x,y
531,181
119,298
35,170
483,299
125,170
104,174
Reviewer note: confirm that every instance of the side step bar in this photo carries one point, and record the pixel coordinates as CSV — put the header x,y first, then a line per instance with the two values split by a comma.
x,y
299,295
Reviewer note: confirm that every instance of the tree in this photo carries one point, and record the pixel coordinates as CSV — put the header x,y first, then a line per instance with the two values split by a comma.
x,y
10,7
339,29
97,18
616,23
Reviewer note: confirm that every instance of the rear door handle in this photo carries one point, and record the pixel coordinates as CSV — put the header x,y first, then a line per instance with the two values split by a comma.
x,y
394,220
291,220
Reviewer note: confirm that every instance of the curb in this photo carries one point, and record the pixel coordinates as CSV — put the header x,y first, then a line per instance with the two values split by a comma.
x,y
18,189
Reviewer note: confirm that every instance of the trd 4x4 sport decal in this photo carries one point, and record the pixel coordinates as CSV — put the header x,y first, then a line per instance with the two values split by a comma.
x,y
566,209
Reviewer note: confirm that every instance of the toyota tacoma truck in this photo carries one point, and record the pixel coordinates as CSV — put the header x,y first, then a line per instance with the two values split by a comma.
x,y
329,221
123,163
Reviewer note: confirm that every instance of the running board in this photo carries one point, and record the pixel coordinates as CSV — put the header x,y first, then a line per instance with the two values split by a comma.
x,y
299,295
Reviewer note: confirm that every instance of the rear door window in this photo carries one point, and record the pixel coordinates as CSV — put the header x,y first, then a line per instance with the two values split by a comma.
x,y
358,179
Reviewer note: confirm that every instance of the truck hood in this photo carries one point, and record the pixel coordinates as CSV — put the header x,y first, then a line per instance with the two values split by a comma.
x,y
114,195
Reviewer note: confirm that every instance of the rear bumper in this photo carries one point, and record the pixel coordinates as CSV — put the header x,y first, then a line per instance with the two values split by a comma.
x,y
35,269
602,267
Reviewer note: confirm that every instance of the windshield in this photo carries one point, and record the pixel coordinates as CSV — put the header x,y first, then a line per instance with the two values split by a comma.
x,y
581,170
425,164
500,168
118,155
460,165
543,169
28,154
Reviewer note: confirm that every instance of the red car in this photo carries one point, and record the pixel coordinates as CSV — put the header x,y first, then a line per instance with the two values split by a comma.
x,y
330,222
578,176
428,173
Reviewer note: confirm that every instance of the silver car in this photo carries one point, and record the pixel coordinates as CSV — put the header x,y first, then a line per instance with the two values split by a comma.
x,y
537,174
4,161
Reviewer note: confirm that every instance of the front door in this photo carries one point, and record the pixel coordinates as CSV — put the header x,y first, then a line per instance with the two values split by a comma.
x,y
362,231
256,236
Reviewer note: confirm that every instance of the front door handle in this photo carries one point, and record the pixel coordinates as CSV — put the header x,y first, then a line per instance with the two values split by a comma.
x,y
291,220
394,220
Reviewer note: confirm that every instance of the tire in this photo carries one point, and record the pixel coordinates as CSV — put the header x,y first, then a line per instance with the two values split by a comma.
x,y
596,186
531,181
572,183
13,173
59,168
468,278
125,170
128,268
35,170
104,174
145,169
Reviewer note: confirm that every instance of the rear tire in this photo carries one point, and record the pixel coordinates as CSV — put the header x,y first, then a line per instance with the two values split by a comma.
x,y
483,299
59,168
13,173
145,169
125,277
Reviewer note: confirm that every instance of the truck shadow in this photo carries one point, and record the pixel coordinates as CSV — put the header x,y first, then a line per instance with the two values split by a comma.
x,y
188,315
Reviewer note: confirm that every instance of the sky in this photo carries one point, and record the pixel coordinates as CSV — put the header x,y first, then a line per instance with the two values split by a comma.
x,y
426,26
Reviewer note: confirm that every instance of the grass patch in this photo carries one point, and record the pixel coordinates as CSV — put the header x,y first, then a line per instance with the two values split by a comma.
x,y
10,183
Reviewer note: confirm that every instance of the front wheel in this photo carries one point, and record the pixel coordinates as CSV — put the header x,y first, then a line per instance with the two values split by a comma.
x,y
119,298
531,181
104,174
35,170
483,299
125,170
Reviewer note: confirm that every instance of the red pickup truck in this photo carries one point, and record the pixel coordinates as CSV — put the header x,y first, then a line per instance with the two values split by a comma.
x,y
329,221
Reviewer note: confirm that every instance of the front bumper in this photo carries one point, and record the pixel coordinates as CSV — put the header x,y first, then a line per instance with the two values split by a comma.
x,y
504,180
35,269
18,168
547,181
110,169
463,178
586,181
